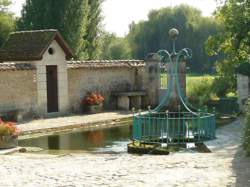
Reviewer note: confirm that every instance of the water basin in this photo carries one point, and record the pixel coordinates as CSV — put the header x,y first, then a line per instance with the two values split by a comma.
x,y
106,140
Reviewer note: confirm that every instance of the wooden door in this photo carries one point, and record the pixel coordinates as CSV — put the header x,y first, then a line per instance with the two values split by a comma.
x,y
52,89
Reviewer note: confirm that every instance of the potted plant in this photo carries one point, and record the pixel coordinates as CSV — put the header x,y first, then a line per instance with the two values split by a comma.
x,y
93,102
8,134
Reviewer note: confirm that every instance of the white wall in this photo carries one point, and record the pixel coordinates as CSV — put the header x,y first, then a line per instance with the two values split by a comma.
x,y
59,59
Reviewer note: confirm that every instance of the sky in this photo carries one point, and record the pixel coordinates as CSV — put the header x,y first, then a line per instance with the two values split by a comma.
x,y
118,14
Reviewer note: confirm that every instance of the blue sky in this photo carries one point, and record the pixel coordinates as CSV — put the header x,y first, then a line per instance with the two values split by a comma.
x,y
118,14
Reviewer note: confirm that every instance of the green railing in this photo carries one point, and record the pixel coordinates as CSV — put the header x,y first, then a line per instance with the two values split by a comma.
x,y
173,127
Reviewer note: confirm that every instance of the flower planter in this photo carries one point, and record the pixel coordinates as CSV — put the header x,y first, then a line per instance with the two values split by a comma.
x,y
7,142
93,109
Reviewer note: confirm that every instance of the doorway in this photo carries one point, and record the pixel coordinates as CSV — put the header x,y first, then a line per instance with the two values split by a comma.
x,y
52,89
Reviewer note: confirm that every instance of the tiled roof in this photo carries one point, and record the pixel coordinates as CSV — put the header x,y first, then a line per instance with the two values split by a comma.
x,y
16,66
106,64
31,45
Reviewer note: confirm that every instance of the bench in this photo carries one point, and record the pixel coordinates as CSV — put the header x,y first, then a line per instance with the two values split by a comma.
x,y
127,100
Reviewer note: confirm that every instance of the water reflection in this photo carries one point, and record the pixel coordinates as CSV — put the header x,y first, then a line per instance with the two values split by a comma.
x,y
109,139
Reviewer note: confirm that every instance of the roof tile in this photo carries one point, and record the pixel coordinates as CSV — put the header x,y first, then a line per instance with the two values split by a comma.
x,y
30,45
105,64
16,66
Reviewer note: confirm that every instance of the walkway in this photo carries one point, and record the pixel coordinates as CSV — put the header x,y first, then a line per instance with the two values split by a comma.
x,y
69,122
226,166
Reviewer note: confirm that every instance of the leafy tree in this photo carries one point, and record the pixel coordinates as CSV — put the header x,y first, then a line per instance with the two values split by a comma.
x,y
114,47
92,35
7,21
152,35
69,17
233,38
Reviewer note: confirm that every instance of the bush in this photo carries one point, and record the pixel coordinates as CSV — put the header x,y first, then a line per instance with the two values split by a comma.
x,y
246,143
221,86
200,91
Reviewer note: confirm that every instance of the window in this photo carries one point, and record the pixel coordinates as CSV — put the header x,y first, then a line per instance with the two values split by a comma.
x,y
51,51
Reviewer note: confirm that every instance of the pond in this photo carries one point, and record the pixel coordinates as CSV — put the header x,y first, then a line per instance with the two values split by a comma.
x,y
106,140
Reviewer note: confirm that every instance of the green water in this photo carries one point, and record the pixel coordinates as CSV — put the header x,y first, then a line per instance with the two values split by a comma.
x,y
107,140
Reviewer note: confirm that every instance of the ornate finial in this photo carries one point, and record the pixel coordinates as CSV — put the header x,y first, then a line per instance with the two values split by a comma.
x,y
173,33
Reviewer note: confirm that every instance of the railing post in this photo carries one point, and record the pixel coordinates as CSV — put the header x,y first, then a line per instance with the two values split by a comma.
x,y
199,125
134,125
206,123
179,123
214,122
167,113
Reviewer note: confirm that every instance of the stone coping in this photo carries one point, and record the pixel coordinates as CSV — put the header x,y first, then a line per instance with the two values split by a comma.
x,y
106,64
67,123
8,66
129,93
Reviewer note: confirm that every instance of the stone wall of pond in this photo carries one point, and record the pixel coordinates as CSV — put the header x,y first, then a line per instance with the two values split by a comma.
x,y
18,93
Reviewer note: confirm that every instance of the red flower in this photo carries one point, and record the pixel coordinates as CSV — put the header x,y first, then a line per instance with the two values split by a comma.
x,y
8,129
93,98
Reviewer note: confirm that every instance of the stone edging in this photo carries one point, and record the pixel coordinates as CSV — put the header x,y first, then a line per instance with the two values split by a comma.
x,y
83,126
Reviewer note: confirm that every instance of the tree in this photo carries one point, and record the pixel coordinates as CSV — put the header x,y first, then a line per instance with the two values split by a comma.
x,y
232,40
151,35
114,48
92,35
69,17
7,21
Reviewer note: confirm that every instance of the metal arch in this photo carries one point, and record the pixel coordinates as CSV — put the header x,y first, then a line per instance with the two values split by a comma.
x,y
166,57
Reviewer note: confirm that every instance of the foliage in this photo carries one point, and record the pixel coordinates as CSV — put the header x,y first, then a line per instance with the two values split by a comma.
x,y
8,129
150,36
221,86
247,130
200,91
114,47
78,22
7,21
233,38
93,98
93,30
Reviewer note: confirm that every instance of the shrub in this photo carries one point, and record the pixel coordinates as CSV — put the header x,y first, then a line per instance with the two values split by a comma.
x,y
221,86
200,91
246,143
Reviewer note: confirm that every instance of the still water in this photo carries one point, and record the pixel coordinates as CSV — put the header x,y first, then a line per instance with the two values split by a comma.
x,y
107,140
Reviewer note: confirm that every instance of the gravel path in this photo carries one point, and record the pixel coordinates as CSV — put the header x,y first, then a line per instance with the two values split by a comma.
x,y
226,166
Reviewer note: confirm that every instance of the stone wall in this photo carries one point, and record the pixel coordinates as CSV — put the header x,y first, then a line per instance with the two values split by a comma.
x,y
242,89
23,86
103,79
18,91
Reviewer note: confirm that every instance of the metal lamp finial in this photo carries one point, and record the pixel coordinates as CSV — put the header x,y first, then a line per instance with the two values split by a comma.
x,y
173,33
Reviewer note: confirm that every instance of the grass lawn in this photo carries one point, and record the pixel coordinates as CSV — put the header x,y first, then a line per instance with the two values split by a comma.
x,y
190,79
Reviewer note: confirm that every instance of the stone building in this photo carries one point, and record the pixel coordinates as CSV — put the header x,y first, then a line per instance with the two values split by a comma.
x,y
38,77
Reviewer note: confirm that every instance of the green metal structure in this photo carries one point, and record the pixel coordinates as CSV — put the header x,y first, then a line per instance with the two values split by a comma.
x,y
187,124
